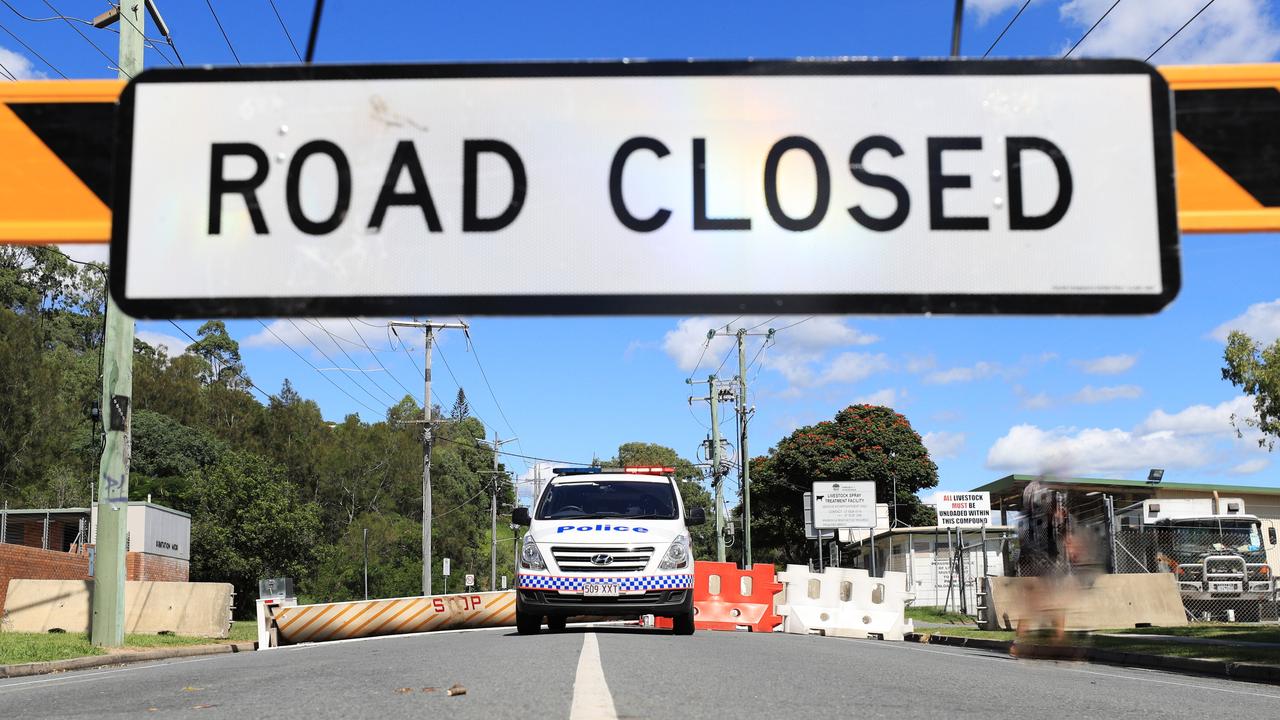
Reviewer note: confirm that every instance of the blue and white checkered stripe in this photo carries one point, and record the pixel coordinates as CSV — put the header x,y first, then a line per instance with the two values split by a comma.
x,y
636,584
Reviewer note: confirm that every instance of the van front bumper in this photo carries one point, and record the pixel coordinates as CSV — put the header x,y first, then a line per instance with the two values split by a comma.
x,y
557,596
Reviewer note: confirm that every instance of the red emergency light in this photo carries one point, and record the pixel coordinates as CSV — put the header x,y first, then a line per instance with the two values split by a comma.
x,y
649,470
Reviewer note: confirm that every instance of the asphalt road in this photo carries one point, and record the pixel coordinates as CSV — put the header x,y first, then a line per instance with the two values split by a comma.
x,y
627,673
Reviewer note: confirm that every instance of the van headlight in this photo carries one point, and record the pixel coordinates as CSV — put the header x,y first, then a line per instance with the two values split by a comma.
x,y
530,558
678,555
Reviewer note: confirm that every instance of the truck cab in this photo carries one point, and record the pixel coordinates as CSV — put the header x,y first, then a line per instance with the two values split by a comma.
x,y
1217,551
606,542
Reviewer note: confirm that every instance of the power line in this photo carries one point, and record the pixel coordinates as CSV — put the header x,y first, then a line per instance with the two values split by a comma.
x,y
514,454
378,360
313,367
476,355
1090,30
1006,28
33,52
285,29
760,325
440,351
705,345
355,364
331,361
86,38
7,73
1179,30
55,18
149,41
222,30
195,341
798,322
315,31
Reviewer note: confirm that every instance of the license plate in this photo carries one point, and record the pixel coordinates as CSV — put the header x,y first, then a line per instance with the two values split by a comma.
x,y
601,589
1224,587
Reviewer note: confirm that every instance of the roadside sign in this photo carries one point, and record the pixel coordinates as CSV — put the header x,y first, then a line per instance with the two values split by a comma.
x,y
965,510
470,580
445,563
1036,186
503,584
844,505
811,533
55,180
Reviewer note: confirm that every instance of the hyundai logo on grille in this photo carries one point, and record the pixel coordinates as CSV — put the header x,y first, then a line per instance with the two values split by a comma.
x,y
602,559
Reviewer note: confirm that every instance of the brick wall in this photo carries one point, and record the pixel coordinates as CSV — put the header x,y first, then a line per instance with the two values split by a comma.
x,y
144,566
19,561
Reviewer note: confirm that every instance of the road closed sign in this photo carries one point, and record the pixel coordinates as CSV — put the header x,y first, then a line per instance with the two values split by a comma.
x,y
665,187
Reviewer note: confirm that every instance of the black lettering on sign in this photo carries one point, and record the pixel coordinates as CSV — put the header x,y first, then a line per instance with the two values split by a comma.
x,y
293,190
1014,148
883,182
700,219
471,221
822,197
938,219
405,158
631,222
220,185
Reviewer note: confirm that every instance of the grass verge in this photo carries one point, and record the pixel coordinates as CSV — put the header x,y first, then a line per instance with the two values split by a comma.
x,y
936,615
18,648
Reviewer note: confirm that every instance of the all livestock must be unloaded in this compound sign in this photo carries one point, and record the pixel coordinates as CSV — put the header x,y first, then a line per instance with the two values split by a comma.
x,y
968,510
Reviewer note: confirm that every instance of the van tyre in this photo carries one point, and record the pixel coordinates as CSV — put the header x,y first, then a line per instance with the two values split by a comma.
x,y
527,624
557,624
682,624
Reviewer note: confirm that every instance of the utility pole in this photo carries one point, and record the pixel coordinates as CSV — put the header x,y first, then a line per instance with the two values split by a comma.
x,y
428,328
717,462
956,22
107,624
493,509
744,413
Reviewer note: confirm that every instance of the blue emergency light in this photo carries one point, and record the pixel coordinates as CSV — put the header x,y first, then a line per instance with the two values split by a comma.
x,y
577,470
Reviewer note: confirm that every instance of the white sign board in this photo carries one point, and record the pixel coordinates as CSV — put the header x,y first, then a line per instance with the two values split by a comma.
x,y
844,505
603,188
445,563
469,580
811,533
968,510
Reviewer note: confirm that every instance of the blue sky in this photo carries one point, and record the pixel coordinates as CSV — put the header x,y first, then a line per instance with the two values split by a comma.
x,y
1104,396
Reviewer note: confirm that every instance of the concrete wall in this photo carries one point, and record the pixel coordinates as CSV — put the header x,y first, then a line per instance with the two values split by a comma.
x,y
20,561
196,609
1110,601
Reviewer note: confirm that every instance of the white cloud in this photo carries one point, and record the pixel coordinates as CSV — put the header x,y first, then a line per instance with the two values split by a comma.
x,y
986,9
849,367
977,371
19,66
1072,451
886,397
801,344
171,344
1039,401
916,365
1227,32
1249,467
1260,322
1200,419
1091,395
332,335
943,444
1107,364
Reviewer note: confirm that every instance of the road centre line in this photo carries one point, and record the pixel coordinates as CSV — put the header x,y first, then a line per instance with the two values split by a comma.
x,y
890,645
591,697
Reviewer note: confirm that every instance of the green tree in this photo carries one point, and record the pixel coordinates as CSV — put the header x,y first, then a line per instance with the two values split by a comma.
x,y
248,523
395,560
864,442
461,408
165,453
1255,369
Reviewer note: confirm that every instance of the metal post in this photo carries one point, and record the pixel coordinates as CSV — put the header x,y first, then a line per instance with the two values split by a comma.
x,y
44,532
956,22
873,552
819,551
717,481
426,466
744,458
1111,533
911,561
366,563
107,624
4,523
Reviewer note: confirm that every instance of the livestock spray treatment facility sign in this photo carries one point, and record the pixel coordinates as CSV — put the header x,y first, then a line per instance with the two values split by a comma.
x,y
965,510
1038,186
838,505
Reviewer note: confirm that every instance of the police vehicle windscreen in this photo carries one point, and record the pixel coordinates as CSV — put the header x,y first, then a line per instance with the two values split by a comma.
x,y
613,499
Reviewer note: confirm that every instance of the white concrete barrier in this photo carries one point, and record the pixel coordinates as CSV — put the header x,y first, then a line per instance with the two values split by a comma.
x,y
183,608
844,602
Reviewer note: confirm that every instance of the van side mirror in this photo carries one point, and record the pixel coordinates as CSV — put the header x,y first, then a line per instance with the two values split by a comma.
x,y
520,516
695,516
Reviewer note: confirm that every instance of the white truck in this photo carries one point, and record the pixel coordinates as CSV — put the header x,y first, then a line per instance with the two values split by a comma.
x,y
1223,557
606,542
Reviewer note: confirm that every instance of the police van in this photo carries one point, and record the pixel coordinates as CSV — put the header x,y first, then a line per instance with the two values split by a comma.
x,y
606,542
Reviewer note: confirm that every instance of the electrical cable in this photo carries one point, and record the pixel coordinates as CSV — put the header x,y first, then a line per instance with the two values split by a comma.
x,y
33,52
218,20
1090,30
86,38
285,29
378,360
344,371
355,364
1006,28
331,381
195,341
1179,30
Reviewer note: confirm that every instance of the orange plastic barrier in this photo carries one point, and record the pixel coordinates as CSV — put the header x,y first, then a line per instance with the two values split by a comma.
x,y
726,598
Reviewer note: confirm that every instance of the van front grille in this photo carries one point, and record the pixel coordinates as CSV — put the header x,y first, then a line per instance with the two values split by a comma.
x,y
578,558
